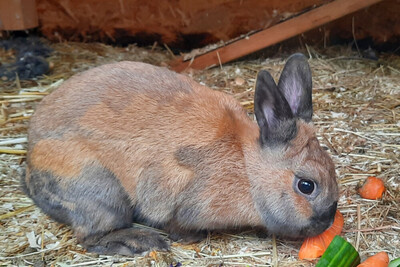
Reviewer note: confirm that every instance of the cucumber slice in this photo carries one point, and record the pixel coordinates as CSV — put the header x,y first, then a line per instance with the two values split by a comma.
x,y
340,253
395,263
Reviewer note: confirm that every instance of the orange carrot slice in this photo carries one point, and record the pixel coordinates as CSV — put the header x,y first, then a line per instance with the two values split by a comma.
x,y
314,247
380,259
373,188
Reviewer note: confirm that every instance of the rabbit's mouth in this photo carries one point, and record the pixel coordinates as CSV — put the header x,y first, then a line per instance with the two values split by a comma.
x,y
319,222
315,225
322,221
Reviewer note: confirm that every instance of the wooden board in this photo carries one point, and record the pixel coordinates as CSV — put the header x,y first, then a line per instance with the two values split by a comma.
x,y
18,15
274,34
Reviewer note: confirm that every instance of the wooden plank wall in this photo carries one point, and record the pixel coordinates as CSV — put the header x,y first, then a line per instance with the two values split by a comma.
x,y
188,24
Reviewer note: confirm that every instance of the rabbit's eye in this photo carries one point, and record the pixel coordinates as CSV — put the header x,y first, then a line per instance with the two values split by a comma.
x,y
306,186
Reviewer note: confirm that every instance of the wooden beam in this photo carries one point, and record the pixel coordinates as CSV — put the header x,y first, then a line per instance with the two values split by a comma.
x,y
18,15
274,34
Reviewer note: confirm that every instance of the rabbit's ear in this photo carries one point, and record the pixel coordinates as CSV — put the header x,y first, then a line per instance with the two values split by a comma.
x,y
296,85
274,116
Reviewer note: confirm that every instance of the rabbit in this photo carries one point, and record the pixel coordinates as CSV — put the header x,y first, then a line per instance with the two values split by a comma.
x,y
131,142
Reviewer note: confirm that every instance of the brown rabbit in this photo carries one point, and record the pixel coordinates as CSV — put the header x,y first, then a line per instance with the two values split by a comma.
x,y
130,142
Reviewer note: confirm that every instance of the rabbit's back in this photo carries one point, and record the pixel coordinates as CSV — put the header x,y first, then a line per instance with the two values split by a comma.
x,y
126,99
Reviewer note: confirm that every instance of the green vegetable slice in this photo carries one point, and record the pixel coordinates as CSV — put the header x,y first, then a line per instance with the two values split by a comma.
x,y
395,263
340,253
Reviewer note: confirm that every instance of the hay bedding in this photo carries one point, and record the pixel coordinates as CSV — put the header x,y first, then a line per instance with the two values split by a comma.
x,y
357,111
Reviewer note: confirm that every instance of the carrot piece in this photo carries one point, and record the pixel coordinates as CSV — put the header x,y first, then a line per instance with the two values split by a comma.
x,y
314,247
373,188
380,259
